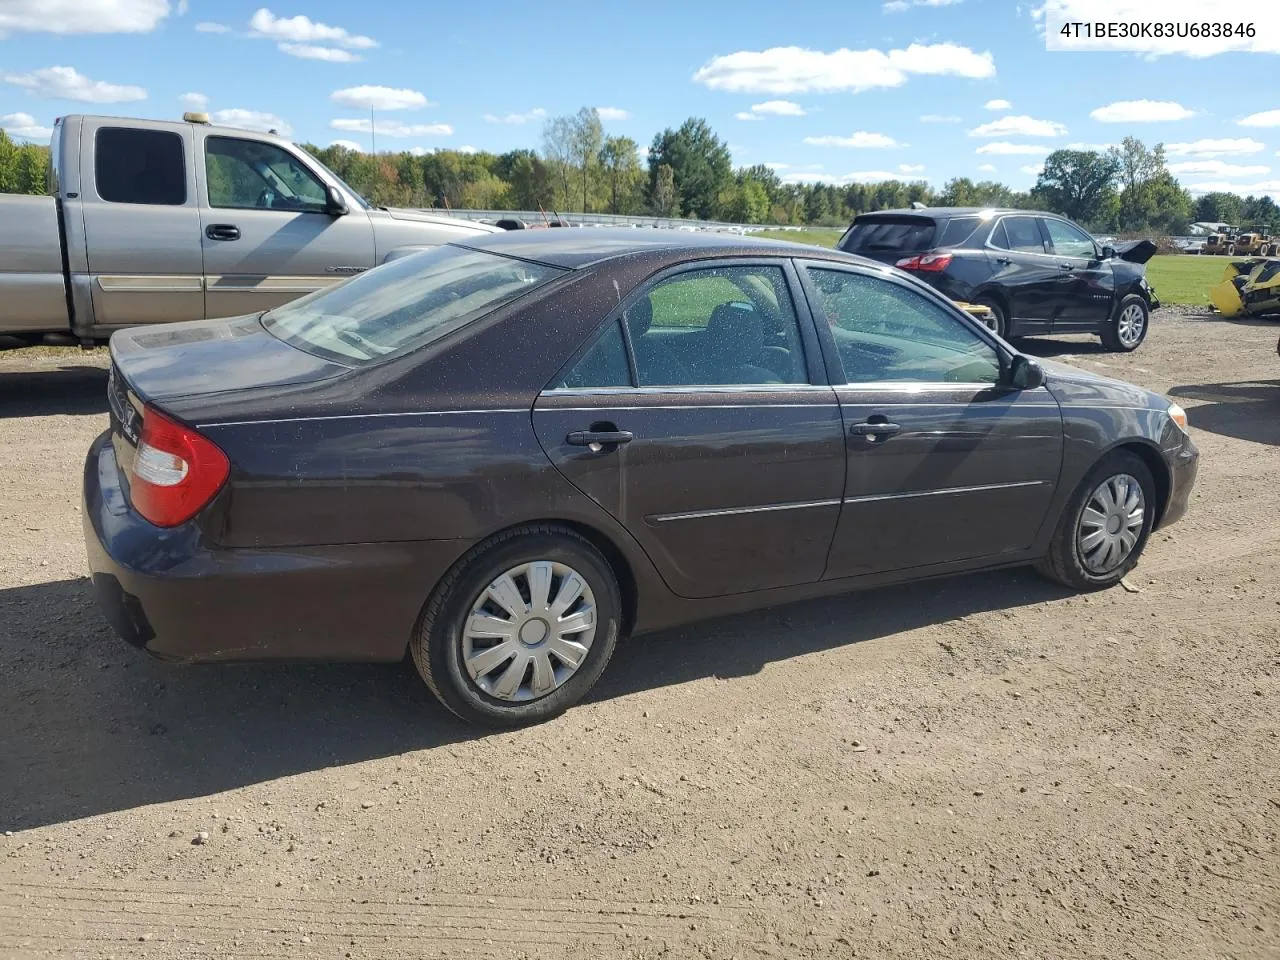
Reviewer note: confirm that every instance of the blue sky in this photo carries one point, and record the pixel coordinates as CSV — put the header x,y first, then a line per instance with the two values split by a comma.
x,y
838,91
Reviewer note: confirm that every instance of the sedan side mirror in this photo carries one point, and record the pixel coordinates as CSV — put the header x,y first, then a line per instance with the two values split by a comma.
x,y
336,204
1025,373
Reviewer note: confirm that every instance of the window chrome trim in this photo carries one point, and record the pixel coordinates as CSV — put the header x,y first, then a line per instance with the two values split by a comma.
x,y
945,491
687,388
738,511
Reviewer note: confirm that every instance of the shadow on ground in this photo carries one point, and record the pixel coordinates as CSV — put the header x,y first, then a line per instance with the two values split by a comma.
x,y
46,391
93,726
1246,411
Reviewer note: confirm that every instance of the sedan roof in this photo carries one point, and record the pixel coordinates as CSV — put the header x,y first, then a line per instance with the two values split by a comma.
x,y
575,248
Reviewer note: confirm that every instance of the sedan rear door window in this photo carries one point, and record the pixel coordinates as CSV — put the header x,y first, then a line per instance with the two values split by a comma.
x,y
885,332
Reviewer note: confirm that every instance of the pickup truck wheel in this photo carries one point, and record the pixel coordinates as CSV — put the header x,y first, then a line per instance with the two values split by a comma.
x,y
521,628
999,323
1127,328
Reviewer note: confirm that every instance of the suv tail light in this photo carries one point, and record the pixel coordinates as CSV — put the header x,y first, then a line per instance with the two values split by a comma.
x,y
176,471
925,262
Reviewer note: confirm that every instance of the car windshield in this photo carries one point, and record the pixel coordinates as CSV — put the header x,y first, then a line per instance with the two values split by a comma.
x,y
404,304
346,186
871,235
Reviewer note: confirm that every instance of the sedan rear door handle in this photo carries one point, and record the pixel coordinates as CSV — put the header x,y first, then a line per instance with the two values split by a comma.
x,y
875,430
599,438
222,231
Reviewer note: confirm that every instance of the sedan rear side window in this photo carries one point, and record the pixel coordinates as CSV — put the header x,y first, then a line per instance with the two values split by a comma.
x,y
404,304
887,333
869,236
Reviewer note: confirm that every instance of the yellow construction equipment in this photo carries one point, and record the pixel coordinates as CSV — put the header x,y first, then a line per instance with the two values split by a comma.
x,y
1249,288
1251,244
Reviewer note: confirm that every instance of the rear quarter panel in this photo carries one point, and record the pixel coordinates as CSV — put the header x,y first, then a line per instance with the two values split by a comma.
x,y
33,295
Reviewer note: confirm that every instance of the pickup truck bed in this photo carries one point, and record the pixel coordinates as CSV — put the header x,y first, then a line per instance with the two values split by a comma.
x,y
31,267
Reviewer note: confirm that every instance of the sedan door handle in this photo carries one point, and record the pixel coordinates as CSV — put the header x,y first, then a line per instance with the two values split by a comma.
x,y
222,231
599,438
874,430
1065,266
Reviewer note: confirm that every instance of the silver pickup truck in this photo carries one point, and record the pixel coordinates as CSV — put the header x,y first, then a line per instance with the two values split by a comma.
x,y
150,222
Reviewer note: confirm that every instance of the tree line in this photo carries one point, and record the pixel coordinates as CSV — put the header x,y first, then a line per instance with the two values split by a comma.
x,y
688,172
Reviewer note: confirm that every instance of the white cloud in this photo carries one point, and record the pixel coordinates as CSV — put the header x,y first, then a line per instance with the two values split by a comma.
x,y
308,51
1006,149
81,16
1142,111
194,101
379,98
421,151
744,115
1019,126
1214,148
348,145
939,118
859,139
1267,118
988,168
24,125
997,105
861,176
901,6
301,29
252,120
1096,147
206,26
1217,168
778,166
183,7
911,168
67,83
779,108
1032,169
1260,188
467,148
613,113
1264,16
537,113
798,70
392,128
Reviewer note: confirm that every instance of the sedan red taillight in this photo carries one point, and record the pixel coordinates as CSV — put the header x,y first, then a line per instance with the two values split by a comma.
x,y
176,471
925,262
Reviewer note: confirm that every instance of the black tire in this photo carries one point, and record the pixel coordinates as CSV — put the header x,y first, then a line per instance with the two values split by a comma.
x,y
1001,318
1231,249
437,645
1111,335
1064,562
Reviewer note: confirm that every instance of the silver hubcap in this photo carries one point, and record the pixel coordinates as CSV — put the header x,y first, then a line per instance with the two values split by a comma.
x,y
1111,523
1131,323
529,631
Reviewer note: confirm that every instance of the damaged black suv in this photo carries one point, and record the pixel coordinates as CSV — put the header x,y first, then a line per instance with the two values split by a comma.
x,y
1037,272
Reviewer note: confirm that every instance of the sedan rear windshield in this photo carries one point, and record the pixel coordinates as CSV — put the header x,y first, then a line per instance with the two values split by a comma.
x,y
871,236
404,304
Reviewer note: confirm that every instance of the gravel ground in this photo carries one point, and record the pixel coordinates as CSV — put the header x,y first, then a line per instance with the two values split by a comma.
x,y
965,768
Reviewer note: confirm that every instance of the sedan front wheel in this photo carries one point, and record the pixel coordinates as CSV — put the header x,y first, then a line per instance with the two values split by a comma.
x,y
521,628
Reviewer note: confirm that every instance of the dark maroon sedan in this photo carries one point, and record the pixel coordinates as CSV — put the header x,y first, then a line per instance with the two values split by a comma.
x,y
506,455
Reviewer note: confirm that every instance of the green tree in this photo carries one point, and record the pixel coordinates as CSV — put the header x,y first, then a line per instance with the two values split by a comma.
x,y
1077,183
750,202
664,201
586,142
1219,207
700,163
529,179
558,152
620,160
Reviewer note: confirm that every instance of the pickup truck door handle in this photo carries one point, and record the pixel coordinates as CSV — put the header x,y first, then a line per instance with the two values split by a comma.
x,y
222,231
874,429
597,440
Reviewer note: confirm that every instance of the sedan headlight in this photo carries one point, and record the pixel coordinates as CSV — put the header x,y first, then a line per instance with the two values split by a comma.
x,y
1178,416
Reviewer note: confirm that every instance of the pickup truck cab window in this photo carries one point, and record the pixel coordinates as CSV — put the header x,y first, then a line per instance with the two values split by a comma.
x,y
251,174
140,166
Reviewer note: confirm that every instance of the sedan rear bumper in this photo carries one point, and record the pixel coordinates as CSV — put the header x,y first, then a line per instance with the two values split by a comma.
x,y
172,593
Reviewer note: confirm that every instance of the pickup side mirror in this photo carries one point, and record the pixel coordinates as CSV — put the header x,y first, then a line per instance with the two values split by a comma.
x,y
335,203
1025,373
1108,252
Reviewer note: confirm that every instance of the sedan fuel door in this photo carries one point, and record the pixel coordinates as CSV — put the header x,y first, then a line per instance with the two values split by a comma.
x,y
700,420
269,230
946,463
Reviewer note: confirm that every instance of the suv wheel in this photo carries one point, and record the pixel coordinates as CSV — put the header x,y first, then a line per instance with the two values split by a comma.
x,y
999,323
1127,327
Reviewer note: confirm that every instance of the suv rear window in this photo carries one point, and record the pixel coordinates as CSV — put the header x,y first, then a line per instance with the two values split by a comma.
x,y
958,230
870,236
404,304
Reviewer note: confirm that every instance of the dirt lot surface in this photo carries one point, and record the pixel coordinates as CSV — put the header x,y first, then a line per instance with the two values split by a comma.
x,y
985,766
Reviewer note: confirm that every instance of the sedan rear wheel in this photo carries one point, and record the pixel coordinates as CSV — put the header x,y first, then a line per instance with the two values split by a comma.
x,y
521,628
1104,528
